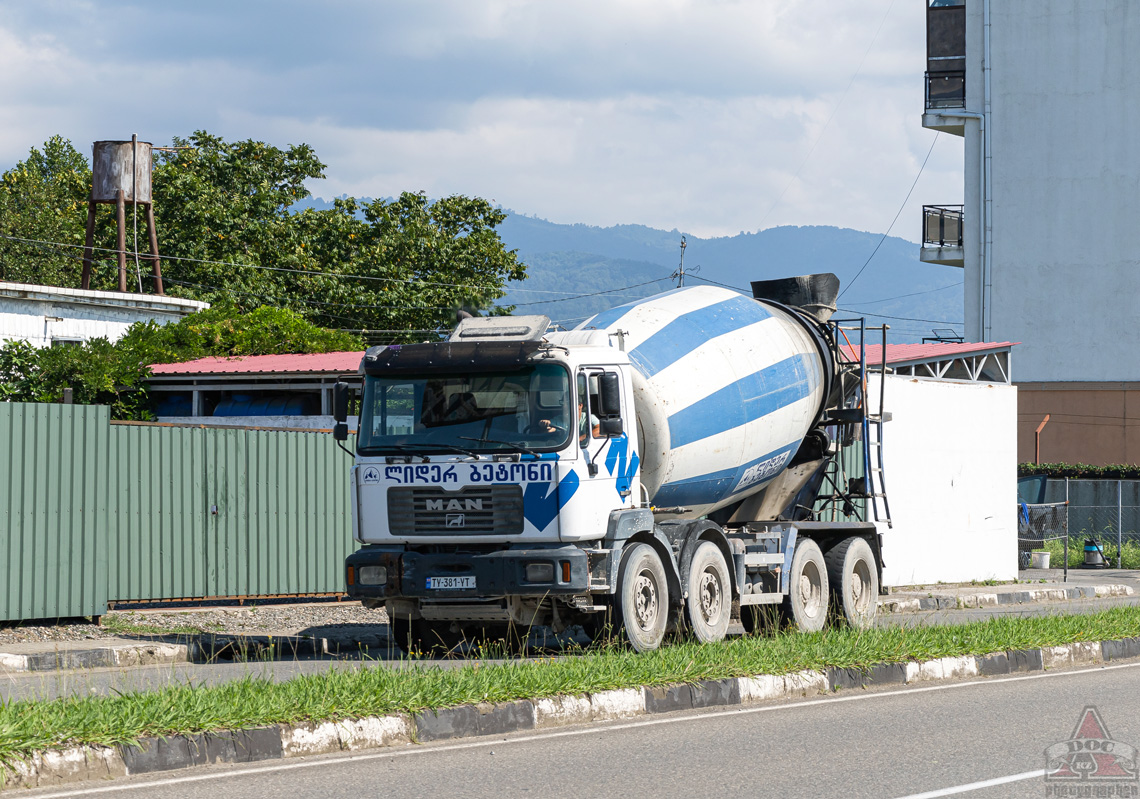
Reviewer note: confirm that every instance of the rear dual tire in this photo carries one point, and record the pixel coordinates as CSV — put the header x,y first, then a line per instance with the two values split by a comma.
x,y
854,581
708,606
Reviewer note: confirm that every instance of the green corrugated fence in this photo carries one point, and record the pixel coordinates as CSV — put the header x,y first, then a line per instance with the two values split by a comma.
x,y
93,512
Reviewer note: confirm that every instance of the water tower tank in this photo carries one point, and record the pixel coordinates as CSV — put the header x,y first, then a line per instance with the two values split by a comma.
x,y
111,171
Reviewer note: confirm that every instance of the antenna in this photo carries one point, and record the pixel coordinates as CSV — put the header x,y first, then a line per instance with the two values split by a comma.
x,y
679,275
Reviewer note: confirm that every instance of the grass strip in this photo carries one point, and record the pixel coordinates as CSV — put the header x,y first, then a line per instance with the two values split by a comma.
x,y
353,692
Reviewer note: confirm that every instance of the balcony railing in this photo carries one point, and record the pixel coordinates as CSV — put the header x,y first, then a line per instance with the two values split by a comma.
x,y
945,90
942,225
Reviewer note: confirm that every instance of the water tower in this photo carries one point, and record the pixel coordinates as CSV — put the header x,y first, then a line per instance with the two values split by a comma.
x,y
120,175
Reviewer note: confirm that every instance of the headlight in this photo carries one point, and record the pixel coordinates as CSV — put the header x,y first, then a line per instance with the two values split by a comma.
x,y
539,572
372,575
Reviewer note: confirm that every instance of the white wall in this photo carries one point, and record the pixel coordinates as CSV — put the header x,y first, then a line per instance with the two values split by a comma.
x,y
1065,189
950,453
42,314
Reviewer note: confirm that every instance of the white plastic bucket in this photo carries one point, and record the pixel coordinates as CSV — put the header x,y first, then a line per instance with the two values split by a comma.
x,y
1039,560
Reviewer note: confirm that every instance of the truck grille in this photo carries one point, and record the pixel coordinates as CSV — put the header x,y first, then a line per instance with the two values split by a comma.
x,y
475,510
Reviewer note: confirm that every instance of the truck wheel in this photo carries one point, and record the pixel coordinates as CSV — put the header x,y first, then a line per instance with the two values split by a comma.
x,y
643,598
709,604
806,603
403,632
855,580
421,637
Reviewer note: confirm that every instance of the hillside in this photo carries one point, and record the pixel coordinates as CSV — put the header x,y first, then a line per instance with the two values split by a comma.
x,y
580,259
614,265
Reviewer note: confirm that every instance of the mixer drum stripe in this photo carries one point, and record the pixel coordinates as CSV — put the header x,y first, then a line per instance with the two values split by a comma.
x,y
715,486
691,330
749,398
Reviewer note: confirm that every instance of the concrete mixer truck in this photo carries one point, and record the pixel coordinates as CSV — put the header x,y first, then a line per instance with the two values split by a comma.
x,y
675,463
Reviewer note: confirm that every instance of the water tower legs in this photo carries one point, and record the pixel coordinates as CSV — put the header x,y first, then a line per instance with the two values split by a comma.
x,y
121,244
155,262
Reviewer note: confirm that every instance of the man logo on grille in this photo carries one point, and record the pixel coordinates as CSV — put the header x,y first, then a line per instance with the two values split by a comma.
x,y
1090,755
456,520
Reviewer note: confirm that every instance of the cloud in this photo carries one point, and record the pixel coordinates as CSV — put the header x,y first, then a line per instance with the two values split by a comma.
x,y
711,117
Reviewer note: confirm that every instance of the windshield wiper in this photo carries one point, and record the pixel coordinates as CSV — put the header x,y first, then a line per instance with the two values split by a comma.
x,y
511,444
417,448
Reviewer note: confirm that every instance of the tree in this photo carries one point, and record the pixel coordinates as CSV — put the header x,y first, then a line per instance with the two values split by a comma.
x,y
102,373
44,198
229,232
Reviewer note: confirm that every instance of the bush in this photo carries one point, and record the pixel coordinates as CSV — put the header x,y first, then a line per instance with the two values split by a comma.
x,y
1116,471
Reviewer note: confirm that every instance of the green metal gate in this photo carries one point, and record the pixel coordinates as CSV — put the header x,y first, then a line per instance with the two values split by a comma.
x,y
93,512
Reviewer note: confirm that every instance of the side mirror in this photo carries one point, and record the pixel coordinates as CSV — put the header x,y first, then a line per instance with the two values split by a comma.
x,y
609,394
610,427
340,403
340,431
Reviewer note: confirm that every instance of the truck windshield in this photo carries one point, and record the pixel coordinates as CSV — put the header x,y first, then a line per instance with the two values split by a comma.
x,y
528,409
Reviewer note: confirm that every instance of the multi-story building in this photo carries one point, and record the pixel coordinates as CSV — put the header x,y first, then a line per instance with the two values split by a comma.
x,y
1045,95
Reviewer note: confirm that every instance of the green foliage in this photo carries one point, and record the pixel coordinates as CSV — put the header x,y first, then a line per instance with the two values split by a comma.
x,y
233,204
45,198
1116,471
1129,550
101,373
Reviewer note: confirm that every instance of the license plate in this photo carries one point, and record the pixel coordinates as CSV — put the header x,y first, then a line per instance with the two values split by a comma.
x,y
451,583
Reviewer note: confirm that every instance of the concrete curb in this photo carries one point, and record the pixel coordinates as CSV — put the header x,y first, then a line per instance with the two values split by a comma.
x,y
995,598
205,648
56,767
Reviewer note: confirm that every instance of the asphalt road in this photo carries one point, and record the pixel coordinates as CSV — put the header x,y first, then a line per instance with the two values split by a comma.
x,y
981,738
108,680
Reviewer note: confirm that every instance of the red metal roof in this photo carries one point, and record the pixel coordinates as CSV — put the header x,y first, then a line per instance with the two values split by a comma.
x,y
348,362
326,362
907,353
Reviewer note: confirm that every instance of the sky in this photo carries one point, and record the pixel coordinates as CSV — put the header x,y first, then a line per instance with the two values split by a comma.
x,y
711,117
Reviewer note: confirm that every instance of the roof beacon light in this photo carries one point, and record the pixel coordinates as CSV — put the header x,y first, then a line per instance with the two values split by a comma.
x,y
501,328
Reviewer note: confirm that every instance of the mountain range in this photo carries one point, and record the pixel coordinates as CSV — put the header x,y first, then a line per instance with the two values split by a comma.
x,y
576,270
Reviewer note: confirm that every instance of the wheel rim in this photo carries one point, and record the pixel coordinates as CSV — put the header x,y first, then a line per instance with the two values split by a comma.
x,y
860,588
811,590
645,600
711,595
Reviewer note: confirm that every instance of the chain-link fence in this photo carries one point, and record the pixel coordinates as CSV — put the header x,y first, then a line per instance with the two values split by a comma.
x,y
1037,526
1102,518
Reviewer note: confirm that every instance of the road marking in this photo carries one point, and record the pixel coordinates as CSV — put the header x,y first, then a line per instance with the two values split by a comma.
x,y
238,770
977,786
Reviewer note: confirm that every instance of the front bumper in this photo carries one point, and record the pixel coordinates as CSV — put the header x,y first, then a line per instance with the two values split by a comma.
x,y
496,573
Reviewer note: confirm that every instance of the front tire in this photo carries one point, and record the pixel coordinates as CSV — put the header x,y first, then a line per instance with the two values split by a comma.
x,y
806,604
421,637
708,606
855,581
643,598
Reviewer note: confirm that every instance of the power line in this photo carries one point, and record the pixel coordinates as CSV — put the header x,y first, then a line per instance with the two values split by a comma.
x,y
904,318
307,272
912,294
715,283
593,294
896,219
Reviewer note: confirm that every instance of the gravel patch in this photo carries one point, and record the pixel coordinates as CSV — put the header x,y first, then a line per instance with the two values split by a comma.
x,y
336,621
